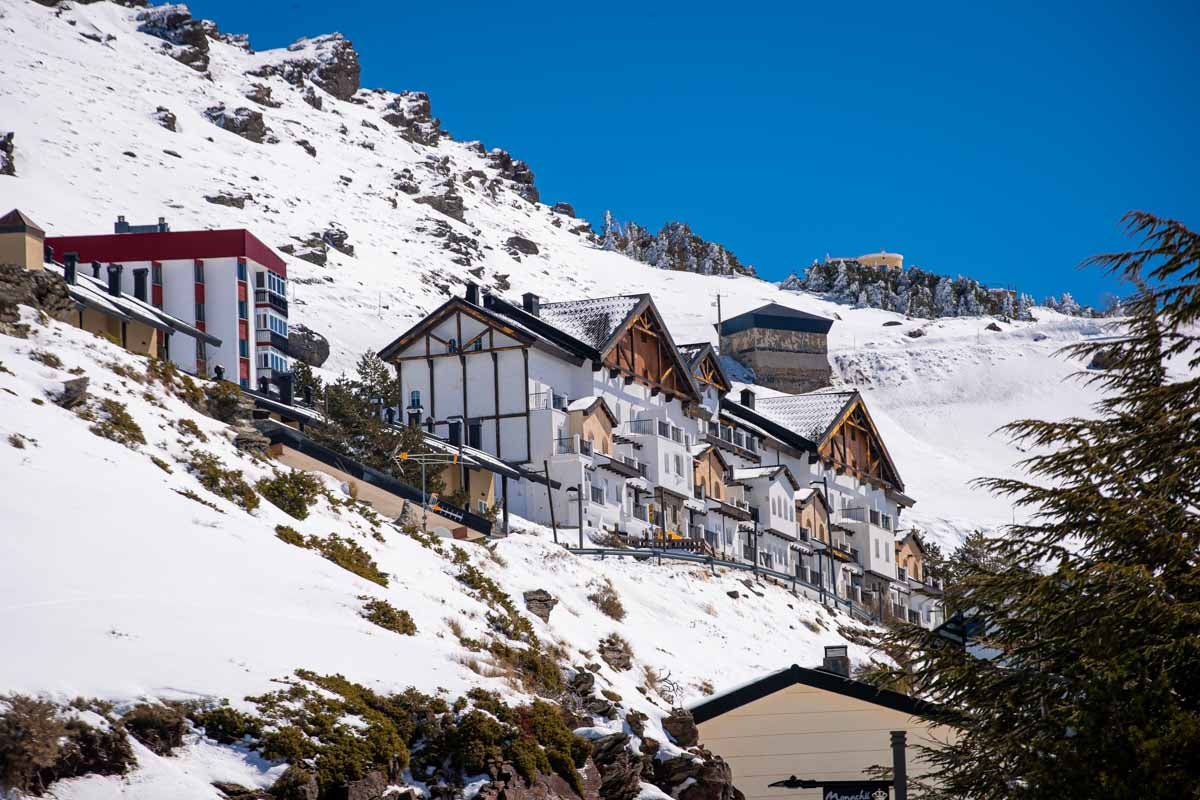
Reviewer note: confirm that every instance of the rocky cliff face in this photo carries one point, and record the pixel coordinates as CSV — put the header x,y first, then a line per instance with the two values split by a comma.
x,y
674,247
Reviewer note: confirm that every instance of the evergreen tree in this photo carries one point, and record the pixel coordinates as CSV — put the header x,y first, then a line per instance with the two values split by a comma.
x,y
1082,680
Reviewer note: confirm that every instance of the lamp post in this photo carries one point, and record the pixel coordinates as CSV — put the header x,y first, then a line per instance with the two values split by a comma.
x,y
578,490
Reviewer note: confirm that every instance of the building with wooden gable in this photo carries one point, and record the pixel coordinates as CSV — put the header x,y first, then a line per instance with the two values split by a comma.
x,y
525,381
843,452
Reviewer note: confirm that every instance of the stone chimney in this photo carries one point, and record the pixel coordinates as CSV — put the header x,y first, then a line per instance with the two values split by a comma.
x,y
114,279
70,264
531,303
837,660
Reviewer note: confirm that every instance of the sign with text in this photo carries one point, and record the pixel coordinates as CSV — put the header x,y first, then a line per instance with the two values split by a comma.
x,y
852,791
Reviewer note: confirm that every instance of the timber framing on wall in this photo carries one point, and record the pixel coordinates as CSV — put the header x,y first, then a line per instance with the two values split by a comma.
x,y
838,447
482,344
641,348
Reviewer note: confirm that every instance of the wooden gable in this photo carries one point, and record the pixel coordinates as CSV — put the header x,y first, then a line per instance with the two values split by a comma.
x,y
456,327
853,445
643,351
708,373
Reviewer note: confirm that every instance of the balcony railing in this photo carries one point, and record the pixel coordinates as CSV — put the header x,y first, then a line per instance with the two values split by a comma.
x,y
853,514
643,427
265,336
542,401
565,445
641,513
270,298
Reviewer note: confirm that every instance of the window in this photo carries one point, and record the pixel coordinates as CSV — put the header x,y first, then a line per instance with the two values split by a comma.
x,y
243,348
275,284
156,273
453,345
482,508
241,309
241,270
198,271
666,462
678,465
877,548
475,434
478,345
414,398
260,320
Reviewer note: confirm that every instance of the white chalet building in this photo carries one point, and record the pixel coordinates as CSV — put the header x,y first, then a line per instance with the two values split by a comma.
x,y
643,442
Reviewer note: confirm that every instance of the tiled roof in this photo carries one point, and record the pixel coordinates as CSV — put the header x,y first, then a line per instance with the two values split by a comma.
x,y
809,415
591,321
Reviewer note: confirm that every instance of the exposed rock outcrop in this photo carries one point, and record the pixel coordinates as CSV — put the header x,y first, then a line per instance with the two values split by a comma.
x,y
449,203
185,39
412,114
243,121
680,726
563,208
163,116
696,775
330,62
620,770
235,200
516,171
540,603
8,163
522,245
507,784
307,345
42,290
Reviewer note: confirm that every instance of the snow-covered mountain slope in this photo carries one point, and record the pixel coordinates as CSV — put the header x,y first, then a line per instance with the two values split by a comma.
x,y
89,144
124,578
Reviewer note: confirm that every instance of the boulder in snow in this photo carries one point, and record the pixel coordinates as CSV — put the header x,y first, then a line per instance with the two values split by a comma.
x,y
243,121
307,345
8,163
540,603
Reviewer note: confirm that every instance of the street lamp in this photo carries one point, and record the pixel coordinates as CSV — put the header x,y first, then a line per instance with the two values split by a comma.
x,y
578,490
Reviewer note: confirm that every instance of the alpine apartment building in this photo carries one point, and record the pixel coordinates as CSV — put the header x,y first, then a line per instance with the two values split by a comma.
x,y
226,283
647,447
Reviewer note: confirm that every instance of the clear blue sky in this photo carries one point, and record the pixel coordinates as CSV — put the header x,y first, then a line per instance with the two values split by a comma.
x,y
1000,143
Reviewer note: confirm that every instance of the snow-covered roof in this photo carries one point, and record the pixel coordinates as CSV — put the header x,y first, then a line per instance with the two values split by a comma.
x,y
691,351
93,292
768,471
591,320
472,456
809,415
778,317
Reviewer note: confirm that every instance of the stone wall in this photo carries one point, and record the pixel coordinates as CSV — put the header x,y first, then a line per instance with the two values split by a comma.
x,y
787,361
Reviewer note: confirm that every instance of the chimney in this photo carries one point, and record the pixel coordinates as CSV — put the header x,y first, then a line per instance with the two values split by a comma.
x,y
95,269
455,437
308,394
837,660
284,382
530,302
47,254
748,397
121,226
114,279
139,283
473,293
163,227
70,261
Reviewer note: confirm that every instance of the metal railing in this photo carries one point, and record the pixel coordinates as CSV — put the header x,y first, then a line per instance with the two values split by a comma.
x,y
542,401
640,426
712,562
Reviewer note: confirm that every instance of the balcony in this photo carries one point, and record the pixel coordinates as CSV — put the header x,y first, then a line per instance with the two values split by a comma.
x,y
265,336
271,299
640,427
542,401
566,445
